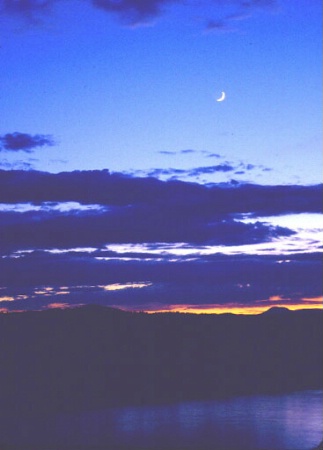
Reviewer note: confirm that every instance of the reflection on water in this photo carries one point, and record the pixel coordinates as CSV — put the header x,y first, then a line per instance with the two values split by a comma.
x,y
292,422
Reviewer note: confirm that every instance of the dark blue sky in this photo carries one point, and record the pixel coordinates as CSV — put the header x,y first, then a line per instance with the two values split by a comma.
x,y
125,182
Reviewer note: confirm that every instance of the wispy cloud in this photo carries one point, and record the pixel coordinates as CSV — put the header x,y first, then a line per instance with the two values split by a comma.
x,y
194,173
224,166
166,152
187,151
236,11
137,12
15,165
219,26
213,155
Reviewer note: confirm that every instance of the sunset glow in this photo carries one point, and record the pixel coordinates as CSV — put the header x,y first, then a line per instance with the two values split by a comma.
x,y
233,309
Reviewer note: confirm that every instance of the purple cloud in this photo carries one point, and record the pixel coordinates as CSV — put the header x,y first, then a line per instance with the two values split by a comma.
x,y
115,189
140,11
220,26
166,152
133,11
17,141
225,167
149,223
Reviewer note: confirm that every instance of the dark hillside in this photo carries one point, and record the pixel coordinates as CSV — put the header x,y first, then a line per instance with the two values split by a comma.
x,y
92,357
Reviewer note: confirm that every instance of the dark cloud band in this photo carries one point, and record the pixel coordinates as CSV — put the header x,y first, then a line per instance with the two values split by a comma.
x,y
115,189
141,210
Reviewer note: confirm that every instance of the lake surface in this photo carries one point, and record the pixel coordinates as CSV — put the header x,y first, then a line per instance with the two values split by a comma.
x,y
291,422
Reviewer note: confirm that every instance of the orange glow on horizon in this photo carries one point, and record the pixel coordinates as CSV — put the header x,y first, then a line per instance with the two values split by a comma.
x,y
316,303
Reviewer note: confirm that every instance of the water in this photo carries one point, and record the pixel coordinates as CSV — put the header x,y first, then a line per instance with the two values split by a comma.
x,y
291,422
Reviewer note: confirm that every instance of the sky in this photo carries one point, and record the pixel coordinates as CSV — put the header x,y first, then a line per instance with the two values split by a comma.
x,y
124,182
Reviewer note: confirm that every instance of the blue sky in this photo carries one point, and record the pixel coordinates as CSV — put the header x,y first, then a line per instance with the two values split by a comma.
x,y
125,93
114,96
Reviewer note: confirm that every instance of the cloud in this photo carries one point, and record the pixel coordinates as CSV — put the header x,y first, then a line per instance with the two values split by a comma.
x,y
17,165
166,152
128,224
140,210
194,173
249,166
213,155
115,189
221,26
17,141
188,151
236,11
28,9
170,172
33,281
225,167
136,12
129,11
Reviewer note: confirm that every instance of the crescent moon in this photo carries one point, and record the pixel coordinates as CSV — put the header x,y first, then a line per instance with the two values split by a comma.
x,y
221,98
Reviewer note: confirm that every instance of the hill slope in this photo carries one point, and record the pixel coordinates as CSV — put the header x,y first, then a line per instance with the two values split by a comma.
x,y
96,357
